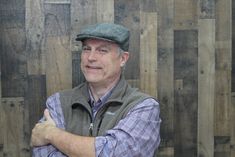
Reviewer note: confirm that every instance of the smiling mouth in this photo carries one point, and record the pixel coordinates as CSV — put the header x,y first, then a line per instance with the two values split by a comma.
x,y
93,67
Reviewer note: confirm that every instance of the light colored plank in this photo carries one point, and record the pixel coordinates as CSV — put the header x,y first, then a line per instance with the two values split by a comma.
x,y
223,68
206,87
105,11
35,36
13,130
148,53
57,48
58,60
185,14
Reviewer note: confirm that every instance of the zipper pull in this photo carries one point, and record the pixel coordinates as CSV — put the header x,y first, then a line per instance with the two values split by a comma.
x,y
91,129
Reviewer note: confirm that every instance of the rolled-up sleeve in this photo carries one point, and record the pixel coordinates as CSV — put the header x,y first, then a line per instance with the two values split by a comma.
x,y
135,135
54,106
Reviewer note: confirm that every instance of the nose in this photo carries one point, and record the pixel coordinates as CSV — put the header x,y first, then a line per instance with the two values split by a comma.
x,y
92,56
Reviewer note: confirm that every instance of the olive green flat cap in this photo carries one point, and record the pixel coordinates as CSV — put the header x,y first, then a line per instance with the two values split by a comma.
x,y
107,31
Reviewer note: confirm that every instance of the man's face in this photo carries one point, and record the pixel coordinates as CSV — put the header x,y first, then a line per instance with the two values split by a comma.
x,y
101,61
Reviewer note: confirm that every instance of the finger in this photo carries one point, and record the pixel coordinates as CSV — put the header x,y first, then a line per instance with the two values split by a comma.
x,y
47,114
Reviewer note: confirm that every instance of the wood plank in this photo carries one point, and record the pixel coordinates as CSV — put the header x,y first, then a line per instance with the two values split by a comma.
x,y
222,146
77,74
148,53
15,144
1,116
185,14
12,44
206,9
105,11
35,99
224,22
82,14
206,87
233,46
165,84
223,68
232,130
35,37
186,92
127,13
57,48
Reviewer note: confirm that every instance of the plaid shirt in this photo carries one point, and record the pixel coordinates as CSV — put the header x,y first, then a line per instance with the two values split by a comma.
x,y
135,135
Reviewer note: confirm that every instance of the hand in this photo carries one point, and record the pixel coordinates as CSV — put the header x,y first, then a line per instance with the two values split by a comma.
x,y
42,131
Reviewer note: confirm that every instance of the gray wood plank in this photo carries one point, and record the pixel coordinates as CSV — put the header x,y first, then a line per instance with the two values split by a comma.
x,y
127,13
12,48
57,47
186,92
166,75
206,87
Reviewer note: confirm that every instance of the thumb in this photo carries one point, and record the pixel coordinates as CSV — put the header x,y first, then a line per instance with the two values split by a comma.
x,y
47,115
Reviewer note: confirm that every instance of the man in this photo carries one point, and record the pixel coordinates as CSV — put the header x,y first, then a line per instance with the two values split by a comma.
x,y
104,116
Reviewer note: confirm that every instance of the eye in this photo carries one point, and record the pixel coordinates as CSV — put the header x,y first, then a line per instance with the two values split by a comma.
x,y
86,49
103,50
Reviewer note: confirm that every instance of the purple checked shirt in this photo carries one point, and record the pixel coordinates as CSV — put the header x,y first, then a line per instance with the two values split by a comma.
x,y
135,135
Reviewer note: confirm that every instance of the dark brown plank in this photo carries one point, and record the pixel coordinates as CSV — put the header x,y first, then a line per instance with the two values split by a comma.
x,y
127,13
186,92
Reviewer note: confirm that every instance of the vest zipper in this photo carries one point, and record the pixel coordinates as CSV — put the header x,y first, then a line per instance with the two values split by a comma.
x,y
91,129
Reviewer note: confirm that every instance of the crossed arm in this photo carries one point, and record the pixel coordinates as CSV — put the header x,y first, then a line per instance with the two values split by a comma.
x,y
72,145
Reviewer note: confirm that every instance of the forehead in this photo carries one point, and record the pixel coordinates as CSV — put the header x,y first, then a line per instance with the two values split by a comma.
x,y
99,42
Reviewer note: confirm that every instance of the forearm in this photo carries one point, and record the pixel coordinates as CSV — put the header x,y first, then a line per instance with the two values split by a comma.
x,y
72,145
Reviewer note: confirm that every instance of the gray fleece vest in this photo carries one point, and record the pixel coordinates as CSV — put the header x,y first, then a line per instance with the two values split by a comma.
x,y
78,113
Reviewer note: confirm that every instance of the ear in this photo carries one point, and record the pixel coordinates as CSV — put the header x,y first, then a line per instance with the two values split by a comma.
x,y
124,58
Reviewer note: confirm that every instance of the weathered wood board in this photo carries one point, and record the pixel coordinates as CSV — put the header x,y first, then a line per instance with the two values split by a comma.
x,y
186,92
148,53
57,47
206,87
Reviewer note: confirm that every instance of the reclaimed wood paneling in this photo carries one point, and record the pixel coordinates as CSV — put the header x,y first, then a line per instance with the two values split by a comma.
x,y
148,53
1,117
206,9
12,47
165,76
232,120
186,92
57,47
105,11
13,130
127,13
35,37
185,14
206,86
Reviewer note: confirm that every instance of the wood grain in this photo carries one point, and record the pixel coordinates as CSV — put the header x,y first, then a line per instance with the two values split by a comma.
x,y
148,53
206,87
186,92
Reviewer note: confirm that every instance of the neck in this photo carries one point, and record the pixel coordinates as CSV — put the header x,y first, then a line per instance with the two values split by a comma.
x,y
98,90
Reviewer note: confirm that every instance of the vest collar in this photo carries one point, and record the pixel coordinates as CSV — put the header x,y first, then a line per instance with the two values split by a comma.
x,y
80,95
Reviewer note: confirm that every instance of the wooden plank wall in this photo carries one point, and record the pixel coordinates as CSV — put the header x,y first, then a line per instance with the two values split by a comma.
x,y
182,52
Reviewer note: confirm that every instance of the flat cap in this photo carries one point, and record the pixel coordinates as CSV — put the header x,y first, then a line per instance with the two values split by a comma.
x,y
107,31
